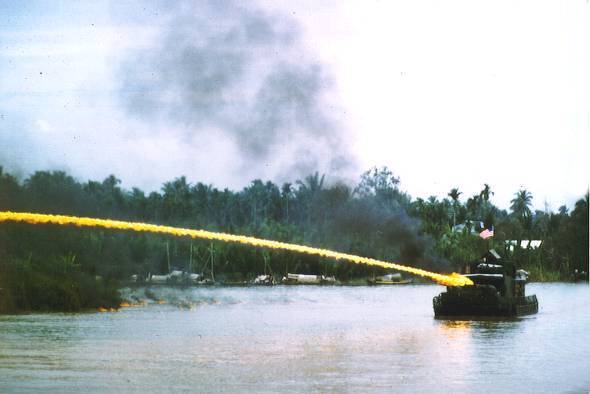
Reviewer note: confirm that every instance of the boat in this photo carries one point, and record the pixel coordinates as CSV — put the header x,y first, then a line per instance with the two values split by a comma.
x,y
263,280
302,279
498,291
388,279
175,277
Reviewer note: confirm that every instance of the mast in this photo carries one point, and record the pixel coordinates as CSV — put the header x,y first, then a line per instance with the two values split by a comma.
x,y
190,260
168,255
212,255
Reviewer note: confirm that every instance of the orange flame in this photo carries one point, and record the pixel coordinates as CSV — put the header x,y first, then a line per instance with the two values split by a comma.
x,y
453,279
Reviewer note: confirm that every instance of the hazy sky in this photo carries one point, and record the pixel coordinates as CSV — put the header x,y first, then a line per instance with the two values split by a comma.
x,y
446,94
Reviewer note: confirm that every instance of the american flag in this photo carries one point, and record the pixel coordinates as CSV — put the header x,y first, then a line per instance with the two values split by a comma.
x,y
487,233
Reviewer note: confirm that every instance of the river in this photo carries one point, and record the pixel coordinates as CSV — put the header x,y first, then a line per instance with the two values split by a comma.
x,y
300,339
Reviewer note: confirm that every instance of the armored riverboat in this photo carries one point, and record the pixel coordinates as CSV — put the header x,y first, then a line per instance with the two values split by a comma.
x,y
498,291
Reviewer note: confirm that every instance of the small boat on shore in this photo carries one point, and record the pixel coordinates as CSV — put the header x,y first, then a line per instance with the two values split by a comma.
x,y
263,280
302,279
388,279
176,277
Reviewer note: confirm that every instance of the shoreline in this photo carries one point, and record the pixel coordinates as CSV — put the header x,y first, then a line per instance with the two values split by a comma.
x,y
152,300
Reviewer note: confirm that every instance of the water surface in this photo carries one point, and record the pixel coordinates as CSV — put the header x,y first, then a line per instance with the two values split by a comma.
x,y
300,339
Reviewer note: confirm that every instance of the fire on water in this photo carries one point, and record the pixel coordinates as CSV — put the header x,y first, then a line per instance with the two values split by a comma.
x,y
453,279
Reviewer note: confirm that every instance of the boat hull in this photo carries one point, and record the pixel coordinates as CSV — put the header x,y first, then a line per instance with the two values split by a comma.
x,y
382,283
481,301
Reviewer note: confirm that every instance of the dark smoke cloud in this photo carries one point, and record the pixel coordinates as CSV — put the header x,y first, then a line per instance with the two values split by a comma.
x,y
389,229
246,72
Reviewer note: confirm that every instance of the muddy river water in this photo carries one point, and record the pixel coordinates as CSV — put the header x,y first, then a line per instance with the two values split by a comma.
x,y
300,339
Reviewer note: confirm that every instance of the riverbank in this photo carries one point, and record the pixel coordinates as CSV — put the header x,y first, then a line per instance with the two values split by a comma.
x,y
29,291
541,274
26,286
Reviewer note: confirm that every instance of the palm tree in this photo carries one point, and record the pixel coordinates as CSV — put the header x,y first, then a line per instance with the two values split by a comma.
x,y
255,195
286,194
487,211
520,206
454,194
309,190
486,192
582,204
312,186
473,206
176,199
563,210
521,203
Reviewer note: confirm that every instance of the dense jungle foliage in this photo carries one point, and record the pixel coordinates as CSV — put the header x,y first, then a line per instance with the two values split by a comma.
x,y
64,268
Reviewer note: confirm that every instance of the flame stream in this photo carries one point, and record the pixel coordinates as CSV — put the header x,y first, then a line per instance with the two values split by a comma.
x,y
453,279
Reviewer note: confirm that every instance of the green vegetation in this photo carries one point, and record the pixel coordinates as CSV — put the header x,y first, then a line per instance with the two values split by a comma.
x,y
65,268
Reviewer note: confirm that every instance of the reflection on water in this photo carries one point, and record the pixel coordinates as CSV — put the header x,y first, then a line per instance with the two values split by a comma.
x,y
299,339
455,329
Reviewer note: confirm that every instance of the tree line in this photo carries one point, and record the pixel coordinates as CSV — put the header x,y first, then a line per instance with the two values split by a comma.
x,y
50,267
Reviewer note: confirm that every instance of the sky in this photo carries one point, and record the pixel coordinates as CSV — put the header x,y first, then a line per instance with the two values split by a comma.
x,y
446,94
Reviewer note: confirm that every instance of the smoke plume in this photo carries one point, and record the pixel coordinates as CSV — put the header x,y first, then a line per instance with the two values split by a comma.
x,y
243,73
